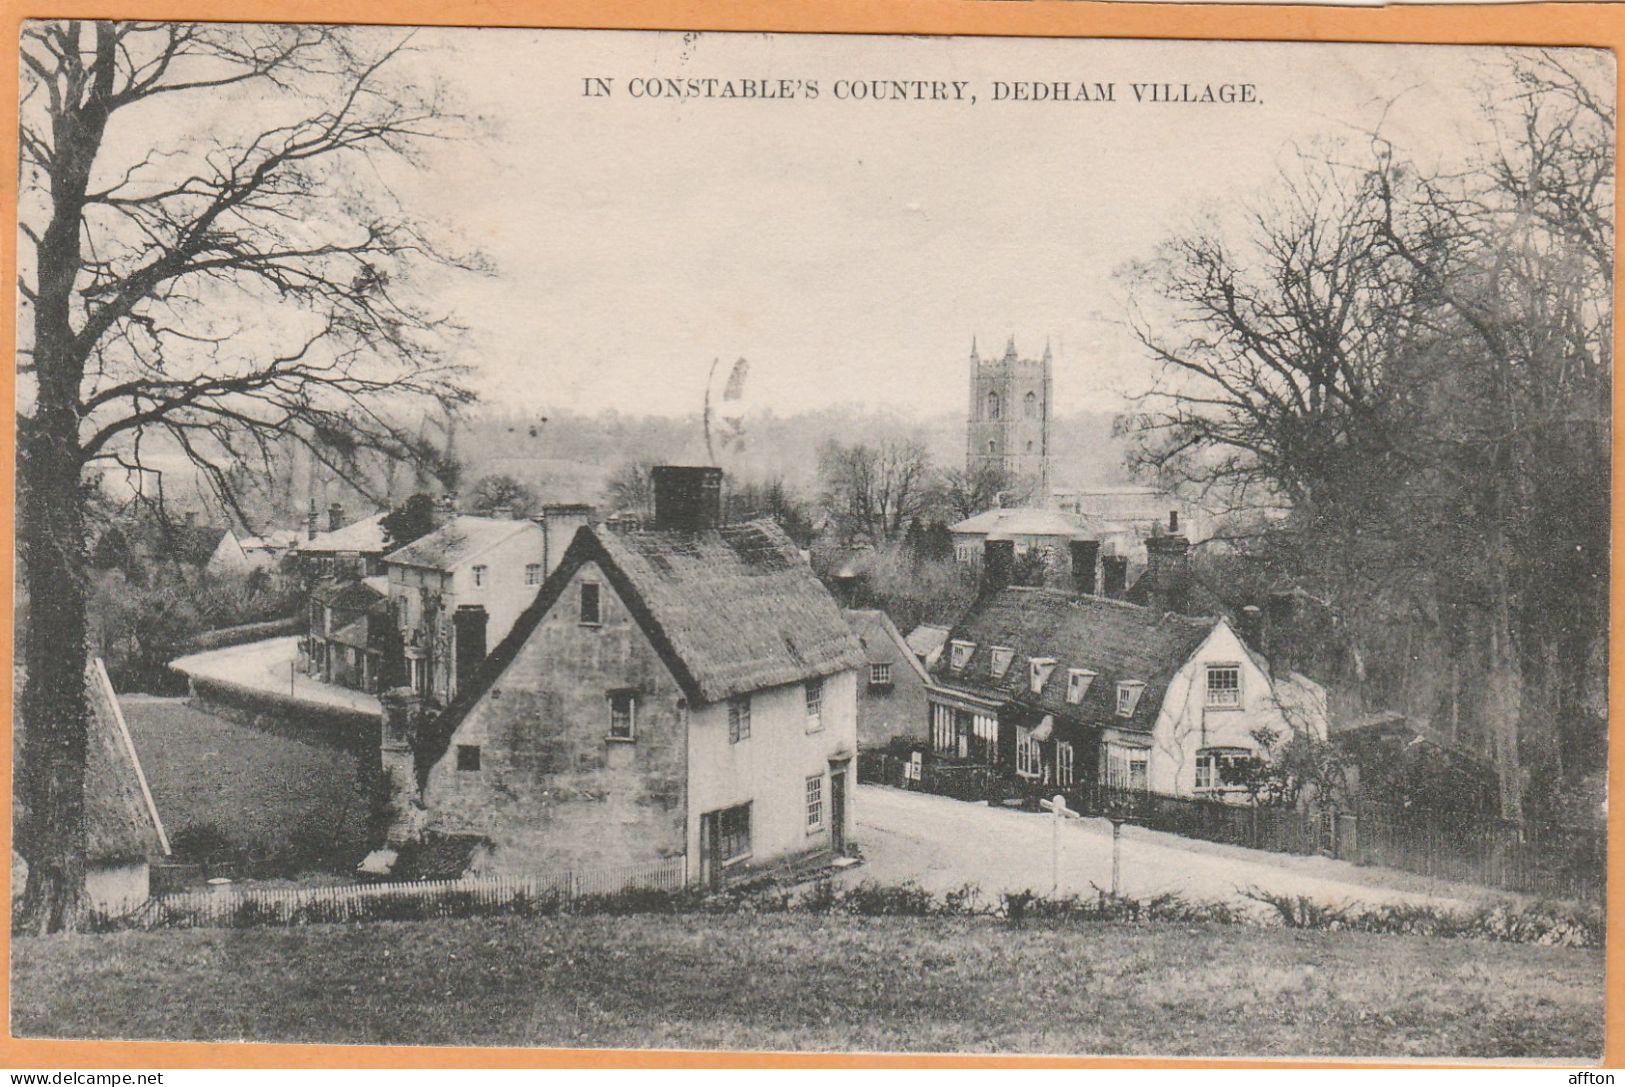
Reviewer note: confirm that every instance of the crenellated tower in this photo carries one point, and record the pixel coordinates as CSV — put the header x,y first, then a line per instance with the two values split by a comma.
x,y
1008,421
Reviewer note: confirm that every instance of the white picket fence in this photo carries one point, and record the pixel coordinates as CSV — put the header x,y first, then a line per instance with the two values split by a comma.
x,y
246,906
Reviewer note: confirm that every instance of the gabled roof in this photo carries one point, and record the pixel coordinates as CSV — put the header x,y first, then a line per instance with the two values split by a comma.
x,y
1199,599
276,540
729,610
364,537
458,541
926,639
1117,641
871,623
121,821
1025,521
347,594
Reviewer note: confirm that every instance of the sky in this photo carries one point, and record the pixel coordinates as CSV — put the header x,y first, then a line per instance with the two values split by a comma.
x,y
851,250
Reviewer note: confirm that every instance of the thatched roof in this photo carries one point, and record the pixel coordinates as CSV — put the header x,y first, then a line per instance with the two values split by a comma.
x,y
460,540
729,610
1117,641
121,821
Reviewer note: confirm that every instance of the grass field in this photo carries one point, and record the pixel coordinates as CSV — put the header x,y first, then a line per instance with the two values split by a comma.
x,y
261,790
820,983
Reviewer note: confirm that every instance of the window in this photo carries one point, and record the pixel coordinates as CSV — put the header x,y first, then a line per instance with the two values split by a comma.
x,y
815,803
468,756
1063,764
1029,447
1029,408
590,612
1001,661
815,705
992,446
479,576
992,405
1126,767
1029,757
944,740
1224,686
1038,673
1077,684
738,718
533,573
1128,696
961,655
880,675
1214,764
733,833
623,715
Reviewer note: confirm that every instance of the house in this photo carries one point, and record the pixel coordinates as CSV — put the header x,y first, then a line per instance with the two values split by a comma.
x,y
123,833
346,636
686,691
1062,689
457,591
239,555
891,688
1136,507
1077,550
356,549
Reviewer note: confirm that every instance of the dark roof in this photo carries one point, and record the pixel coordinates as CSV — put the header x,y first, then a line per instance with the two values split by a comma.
x,y
729,610
458,541
346,594
870,623
1115,640
1199,599
121,823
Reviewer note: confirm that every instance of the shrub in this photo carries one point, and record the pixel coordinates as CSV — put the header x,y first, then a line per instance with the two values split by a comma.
x,y
874,900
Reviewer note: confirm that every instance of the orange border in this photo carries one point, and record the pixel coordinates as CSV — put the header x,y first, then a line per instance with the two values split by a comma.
x,y
1599,25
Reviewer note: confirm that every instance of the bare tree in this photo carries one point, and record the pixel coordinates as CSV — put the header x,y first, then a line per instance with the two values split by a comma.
x,y
876,490
219,292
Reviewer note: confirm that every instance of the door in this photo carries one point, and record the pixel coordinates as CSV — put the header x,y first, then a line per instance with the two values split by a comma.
x,y
710,870
837,809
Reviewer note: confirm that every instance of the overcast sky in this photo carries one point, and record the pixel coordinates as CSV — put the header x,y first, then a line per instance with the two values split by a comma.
x,y
851,249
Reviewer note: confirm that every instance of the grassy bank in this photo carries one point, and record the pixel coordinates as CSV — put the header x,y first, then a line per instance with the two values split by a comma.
x,y
820,983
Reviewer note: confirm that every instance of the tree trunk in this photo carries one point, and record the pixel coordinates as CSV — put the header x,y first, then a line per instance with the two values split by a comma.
x,y
1503,703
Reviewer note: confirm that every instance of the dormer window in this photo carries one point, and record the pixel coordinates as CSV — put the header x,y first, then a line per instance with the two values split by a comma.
x,y
1038,671
961,655
1001,661
1128,696
1077,684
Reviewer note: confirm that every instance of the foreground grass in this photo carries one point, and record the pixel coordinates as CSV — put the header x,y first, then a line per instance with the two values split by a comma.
x,y
804,982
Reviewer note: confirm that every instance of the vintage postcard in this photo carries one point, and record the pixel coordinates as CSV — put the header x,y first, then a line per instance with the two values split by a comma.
x,y
615,539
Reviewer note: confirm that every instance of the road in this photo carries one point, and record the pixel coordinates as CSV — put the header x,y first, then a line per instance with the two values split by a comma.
x,y
269,666
942,844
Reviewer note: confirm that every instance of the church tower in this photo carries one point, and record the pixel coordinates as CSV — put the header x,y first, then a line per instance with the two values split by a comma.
x,y
1008,421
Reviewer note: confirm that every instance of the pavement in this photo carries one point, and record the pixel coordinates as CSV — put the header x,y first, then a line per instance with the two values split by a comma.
x,y
269,666
942,844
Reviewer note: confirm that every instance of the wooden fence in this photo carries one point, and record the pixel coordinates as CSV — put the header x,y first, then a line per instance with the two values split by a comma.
x,y
234,906
1547,860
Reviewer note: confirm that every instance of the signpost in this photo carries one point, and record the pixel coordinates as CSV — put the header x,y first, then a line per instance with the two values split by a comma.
x,y
1057,806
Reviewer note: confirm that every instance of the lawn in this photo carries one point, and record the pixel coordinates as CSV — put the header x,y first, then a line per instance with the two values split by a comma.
x,y
810,982
260,790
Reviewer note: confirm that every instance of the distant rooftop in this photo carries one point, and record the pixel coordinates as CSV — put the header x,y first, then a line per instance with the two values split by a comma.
x,y
365,536
459,540
1015,521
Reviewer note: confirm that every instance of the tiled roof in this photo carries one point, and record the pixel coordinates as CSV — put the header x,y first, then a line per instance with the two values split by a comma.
x,y
350,594
1117,641
460,540
365,537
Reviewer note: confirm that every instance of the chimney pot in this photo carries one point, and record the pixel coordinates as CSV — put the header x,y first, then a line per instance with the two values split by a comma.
x,y
998,563
1114,575
687,498
1085,554
335,517
1170,572
1251,626
310,521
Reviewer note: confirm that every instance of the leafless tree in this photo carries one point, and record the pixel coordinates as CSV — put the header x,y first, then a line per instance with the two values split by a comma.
x,y
875,490
222,287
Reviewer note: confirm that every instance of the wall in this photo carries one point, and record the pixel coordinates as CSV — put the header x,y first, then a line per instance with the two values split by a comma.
x,y
1186,725
770,769
116,887
884,713
552,790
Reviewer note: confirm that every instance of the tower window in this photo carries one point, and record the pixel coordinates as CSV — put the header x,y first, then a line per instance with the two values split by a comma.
x,y
992,447
992,405
1029,447
1030,405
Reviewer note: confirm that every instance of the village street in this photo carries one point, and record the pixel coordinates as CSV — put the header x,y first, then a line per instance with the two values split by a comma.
x,y
941,844
269,666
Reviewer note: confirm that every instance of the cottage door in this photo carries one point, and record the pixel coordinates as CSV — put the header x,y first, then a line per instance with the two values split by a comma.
x,y
837,809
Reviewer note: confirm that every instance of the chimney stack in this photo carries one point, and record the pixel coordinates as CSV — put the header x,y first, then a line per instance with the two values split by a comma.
x,y
1085,553
1173,521
1282,638
998,563
335,517
310,521
1169,571
1114,575
687,499
560,523
401,718
1251,627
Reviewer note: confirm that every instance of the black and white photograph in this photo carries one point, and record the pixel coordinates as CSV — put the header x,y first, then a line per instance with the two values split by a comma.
x,y
810,543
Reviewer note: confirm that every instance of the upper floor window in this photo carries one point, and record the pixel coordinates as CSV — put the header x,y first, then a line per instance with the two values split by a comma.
x,y
1001,661
1077,684
1029,406
815,704
590,611
738,718
468,756
623,715
479,576
1223,686
1038,673
533,573
961,655
1128,696
992,405
880,675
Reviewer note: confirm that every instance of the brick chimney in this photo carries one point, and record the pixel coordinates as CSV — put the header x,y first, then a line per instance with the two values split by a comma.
x,y
998,563
1114,575
1250,625
560,522
310,521
687,499
1085,554
335,517
1169,571
1282,610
